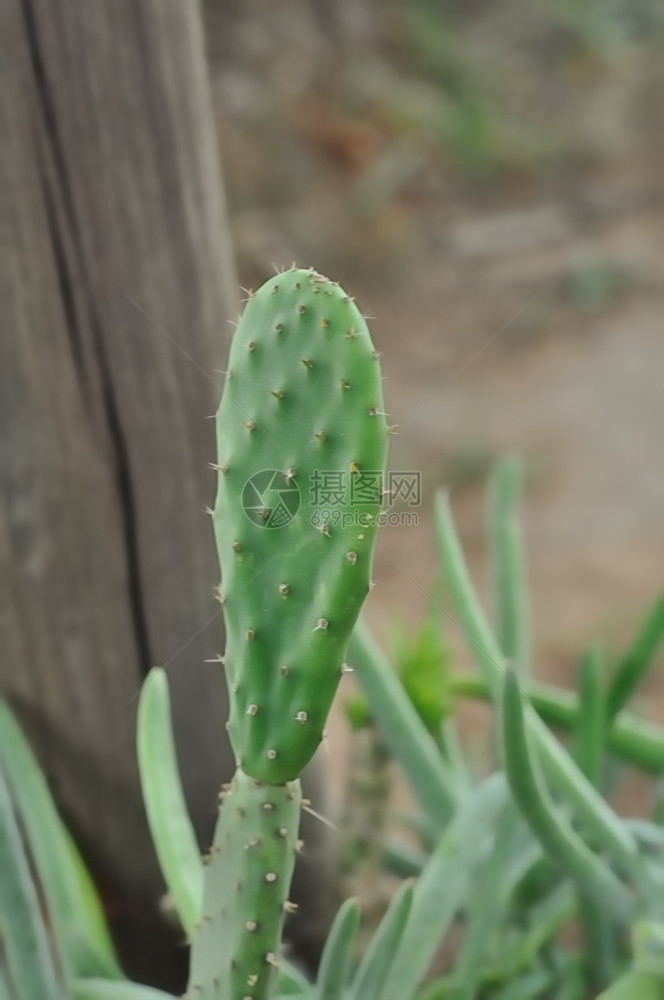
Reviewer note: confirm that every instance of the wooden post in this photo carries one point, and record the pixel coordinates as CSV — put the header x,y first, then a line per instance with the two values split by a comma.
x,y
116,285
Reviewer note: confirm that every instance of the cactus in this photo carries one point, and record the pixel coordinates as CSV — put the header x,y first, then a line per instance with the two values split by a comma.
x,y
302,441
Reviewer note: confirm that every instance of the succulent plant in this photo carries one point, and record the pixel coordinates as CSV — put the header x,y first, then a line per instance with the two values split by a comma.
x,y
302,440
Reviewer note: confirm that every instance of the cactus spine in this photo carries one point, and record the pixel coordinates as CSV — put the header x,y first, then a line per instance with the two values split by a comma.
x,y
302,442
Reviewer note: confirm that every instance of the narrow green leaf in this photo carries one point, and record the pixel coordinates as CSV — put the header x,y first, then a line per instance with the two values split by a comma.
x,y
372,975
588,745
633,667
75,912
632,739
590,728
172,832
25,946
452,751
444,886
106,989
560,841
600,942
402,729
558,766
507,562
484,908
337,955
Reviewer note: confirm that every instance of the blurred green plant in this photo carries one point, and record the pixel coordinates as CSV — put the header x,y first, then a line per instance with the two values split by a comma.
x,y
507,867
560,859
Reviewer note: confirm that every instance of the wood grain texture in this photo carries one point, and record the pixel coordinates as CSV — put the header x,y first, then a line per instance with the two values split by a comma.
x,y
116,265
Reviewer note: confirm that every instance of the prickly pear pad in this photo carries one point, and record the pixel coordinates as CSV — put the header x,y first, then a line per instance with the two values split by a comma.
x,y
302,442
248,875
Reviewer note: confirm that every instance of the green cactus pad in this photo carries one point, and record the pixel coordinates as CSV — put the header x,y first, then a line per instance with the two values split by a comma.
x,y
302,441
248,874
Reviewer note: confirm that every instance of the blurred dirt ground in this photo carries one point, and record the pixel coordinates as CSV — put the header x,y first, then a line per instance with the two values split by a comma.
x,y
490,189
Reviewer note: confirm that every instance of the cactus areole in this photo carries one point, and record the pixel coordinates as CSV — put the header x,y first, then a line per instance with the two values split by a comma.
x,y
302,442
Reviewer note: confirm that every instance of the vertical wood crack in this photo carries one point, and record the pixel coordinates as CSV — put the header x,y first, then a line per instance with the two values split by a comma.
x,y
120,457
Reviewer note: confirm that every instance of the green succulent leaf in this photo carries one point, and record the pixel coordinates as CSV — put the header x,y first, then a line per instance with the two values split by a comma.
x,y
26,951
507,563
555,761
337,955
402,729
75,913
172,832
560,841
372,981
634,665
445,885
